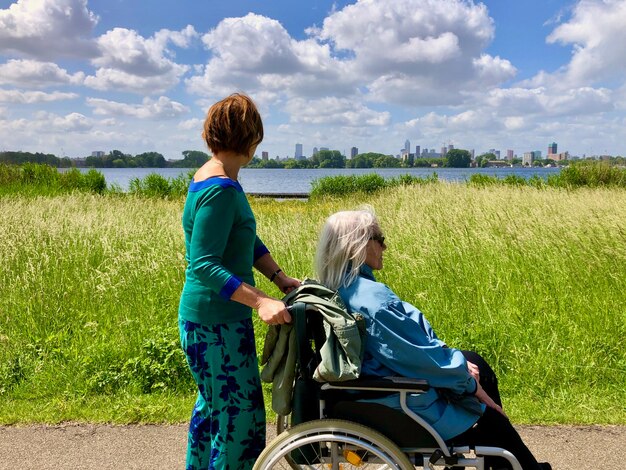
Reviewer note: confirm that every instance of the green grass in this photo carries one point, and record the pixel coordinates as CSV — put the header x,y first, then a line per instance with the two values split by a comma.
x,y
535,280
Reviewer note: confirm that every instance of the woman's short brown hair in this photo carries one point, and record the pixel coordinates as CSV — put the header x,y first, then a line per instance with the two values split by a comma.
x,y
233,124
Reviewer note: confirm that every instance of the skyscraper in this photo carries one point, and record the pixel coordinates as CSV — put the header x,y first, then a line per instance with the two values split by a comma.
x,y
417,151
354,152
298,154
407,146
528,158
509,154
552,149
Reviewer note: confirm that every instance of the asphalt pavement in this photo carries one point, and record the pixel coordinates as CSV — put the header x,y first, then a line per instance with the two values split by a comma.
x,y
99,447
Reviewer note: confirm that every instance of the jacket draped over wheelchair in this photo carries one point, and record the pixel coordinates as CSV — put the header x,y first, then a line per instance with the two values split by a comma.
x,y
341,353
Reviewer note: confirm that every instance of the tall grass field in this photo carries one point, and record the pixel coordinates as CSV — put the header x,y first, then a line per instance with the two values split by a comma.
x,y
533,279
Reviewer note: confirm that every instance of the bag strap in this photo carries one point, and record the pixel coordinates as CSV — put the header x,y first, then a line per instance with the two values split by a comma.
x,y
298,312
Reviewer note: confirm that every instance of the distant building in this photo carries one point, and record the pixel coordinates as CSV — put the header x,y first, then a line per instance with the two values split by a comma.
x,y
426,153
473,154
324,148
510,154
559,156
552,149
407,146
527,160
444,151
265,156
417,151
298,155
315,151
97,153
354,152
495,152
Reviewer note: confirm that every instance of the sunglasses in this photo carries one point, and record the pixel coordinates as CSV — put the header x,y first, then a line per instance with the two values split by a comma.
x,y
379,238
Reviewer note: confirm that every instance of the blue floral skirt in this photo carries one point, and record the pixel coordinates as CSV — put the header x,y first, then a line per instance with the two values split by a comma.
x,y
227,429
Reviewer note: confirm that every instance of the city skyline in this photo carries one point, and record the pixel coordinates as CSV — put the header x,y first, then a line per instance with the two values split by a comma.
x,y
507,153
78,76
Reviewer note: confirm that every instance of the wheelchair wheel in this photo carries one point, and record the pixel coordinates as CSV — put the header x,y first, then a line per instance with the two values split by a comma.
x,y
332,444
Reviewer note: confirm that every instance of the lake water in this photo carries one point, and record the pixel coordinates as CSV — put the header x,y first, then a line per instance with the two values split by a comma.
x,y
272,181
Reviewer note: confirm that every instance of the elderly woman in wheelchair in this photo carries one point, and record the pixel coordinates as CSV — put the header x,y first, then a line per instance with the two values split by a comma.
x,y
445,409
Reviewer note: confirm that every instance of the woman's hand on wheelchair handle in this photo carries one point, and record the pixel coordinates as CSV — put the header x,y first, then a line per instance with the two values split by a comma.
x,y
274,312
285,283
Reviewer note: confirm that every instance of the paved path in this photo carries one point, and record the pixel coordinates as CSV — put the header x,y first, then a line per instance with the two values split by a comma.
x,y
163,447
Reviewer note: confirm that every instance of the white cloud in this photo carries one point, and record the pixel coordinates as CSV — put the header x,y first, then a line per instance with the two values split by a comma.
x,y
51,123
191,124
112,79
408,34
161,108
48,28
129,62
492,70
254,42
30,97
514,123
407,52
597,32
335,111
546,102
417,52
127,51
255,53
37,74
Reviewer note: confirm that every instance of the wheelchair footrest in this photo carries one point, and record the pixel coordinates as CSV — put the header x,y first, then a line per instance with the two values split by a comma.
x,y
438,455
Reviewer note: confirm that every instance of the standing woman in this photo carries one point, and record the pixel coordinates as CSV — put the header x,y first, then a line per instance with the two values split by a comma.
x,y
227,429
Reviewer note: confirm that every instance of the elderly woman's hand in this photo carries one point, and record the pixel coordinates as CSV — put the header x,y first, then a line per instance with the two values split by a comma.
x,y
486,399
273,312
285,283
473,370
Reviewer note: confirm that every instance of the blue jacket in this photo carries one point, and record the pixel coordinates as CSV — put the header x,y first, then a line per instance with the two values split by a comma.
x,y
401,342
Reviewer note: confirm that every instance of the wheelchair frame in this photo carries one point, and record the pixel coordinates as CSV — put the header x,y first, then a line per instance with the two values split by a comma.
x,y
341,444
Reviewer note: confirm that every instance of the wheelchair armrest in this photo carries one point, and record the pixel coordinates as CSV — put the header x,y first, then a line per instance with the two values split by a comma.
x,y
381,384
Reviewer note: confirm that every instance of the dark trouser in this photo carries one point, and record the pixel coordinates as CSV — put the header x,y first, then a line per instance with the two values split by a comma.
x,y
493,429
488,379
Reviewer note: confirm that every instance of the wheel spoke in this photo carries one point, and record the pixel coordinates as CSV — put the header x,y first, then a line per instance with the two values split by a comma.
x,y
332,444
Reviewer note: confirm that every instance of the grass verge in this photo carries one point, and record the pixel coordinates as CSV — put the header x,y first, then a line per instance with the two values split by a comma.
x,y
535,280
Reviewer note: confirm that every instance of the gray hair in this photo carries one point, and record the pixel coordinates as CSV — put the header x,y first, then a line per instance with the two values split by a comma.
x,y
341,249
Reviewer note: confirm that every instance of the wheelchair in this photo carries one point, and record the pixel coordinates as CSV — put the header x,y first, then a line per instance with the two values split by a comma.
x,y
331,428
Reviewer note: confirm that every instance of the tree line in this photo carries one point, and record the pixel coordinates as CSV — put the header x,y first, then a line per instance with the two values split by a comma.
x,y
114,159
20,158
455,158
334,159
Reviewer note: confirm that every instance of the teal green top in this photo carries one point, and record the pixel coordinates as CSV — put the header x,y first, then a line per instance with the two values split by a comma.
x,y
221,247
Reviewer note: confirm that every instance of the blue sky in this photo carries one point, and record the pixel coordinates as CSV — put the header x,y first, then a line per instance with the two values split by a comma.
x,y
83,75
